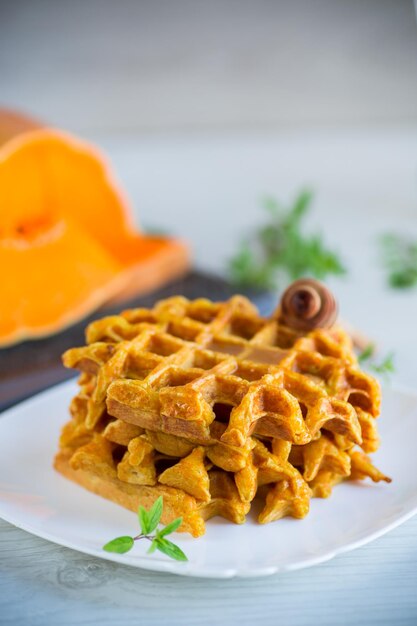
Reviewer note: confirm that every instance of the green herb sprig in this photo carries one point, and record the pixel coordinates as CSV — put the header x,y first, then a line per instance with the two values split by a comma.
x,y
399,256
279,250
149,521
384,367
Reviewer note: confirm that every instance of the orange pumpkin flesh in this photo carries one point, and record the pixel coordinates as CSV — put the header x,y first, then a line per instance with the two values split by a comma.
x,y
66,244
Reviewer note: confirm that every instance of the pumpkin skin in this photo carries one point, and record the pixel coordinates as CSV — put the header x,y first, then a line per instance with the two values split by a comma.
x,y
13,123
67,244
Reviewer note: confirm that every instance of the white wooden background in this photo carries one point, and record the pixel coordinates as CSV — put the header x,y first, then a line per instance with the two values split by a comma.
x,y
164,65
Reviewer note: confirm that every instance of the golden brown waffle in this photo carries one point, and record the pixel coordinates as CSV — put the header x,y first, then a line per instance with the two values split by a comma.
x,y
210,405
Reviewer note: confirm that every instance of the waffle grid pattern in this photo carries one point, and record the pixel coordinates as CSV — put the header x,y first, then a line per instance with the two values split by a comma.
x,y
211,405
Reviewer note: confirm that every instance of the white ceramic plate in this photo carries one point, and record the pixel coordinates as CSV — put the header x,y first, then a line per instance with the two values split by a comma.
x,y
36,498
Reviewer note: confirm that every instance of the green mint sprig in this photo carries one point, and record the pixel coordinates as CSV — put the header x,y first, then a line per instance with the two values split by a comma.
x,y
399,256
367,353
279,250
149,521
385,367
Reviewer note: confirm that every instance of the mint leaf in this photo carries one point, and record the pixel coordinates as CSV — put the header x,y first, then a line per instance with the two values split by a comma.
x,y
154,514
143,517
366,353
170,528
170,549
153,546
149,521
386,367
119,545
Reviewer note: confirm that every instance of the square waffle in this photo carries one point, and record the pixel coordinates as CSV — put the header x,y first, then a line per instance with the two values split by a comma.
x,y
212,406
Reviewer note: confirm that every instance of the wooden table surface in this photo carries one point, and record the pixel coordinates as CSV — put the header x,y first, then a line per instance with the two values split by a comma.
x,y
42,583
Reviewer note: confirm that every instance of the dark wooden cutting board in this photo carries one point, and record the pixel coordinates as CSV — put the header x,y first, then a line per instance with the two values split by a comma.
x,y
32,366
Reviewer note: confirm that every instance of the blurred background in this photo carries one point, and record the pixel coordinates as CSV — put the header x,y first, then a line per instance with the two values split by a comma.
x,y
206,107
99,66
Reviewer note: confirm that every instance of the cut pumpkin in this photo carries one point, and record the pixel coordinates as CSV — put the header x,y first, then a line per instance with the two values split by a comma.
x,y
66,241
13,123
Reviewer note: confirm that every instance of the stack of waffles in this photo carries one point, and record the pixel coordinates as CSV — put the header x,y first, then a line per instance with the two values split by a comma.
x,y
211,406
